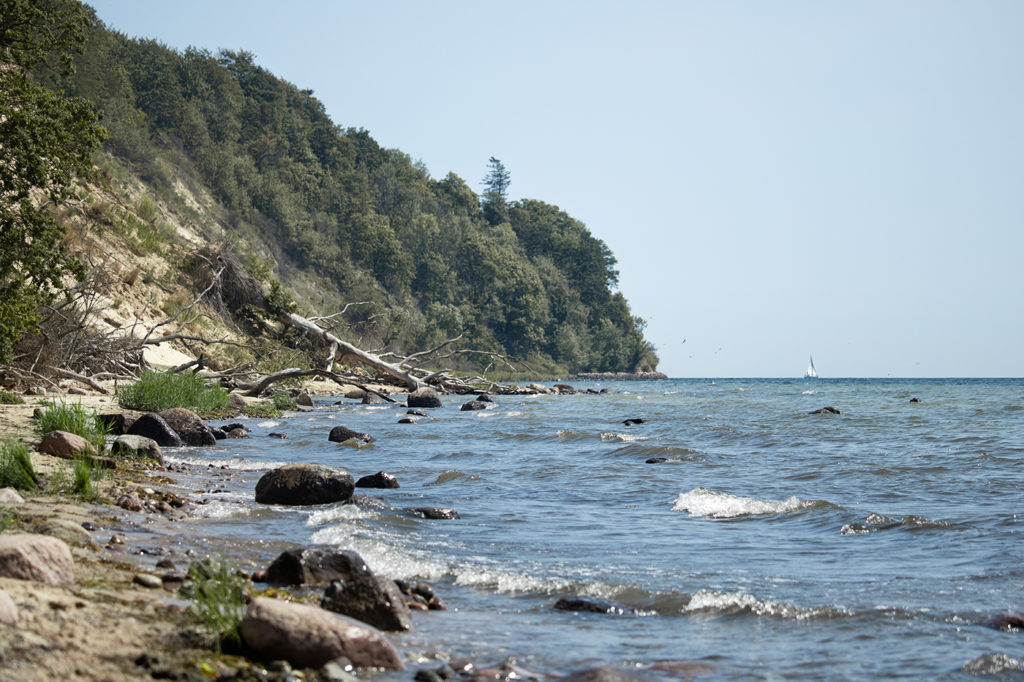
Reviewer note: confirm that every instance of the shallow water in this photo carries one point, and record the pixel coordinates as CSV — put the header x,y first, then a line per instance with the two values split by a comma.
x,y
770,543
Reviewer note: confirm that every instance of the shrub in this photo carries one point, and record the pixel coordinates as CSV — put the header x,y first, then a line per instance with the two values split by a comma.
x,y
156,391
16,470
218,599
8,398
75,419
283,401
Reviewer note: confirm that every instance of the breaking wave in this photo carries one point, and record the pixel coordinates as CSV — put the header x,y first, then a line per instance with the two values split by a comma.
x,y
716,505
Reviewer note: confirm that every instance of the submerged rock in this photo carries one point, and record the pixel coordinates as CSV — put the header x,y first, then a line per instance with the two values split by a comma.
x,y
474,405
370,599
315,567
826,410
636,420
304,484
1010,622
586,604
438,513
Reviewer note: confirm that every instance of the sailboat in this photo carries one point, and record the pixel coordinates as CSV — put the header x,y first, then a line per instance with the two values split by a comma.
x,y
811,373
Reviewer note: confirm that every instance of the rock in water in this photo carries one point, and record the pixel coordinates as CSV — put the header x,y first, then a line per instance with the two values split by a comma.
x,y
371,599
474,405
153,426
315,567
381,479
304,484
189,426
308,637
590,605
36,557
423,397
826,410
340,434
136,446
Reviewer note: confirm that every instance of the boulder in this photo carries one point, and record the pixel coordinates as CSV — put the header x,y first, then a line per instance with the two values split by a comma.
x,y
189,425
8,611
367,502
340,434
115,422
423,397
539,388
66,530
371,398
315,567
40,558
563,389
64,444
380,479
1010,622
474,405
236,403
586,604
130,445
309,637
304,484
10,496
238,433
154,427
437,513
370,599
826,410
304,399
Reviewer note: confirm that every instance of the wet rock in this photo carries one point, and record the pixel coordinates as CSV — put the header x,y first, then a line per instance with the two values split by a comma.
x,y
563,389
189,426
304,484
68,531
826,410
416,413
10,496
304,399
64,444
474,405
584,604
154,427
631,422
423,397
406,420
309,637
40,558
273,434
380,479
148,581
603,673
8,611
238,433
915,399
340,434
370,599
367,502
218,433
315,567
1010,622
136,446
338,670
438,513
371,398
539,388
129,502
656,460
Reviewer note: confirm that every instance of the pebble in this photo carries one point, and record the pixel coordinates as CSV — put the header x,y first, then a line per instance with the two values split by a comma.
x,y
148,580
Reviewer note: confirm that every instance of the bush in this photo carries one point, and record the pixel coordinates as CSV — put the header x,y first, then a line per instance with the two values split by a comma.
x,y
283,401
218,599
75,419
16,470
156,391
8,398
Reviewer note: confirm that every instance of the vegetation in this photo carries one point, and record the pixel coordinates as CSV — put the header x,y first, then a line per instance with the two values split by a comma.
x,y
73,418
84,472
16,470
218,599
283,401
156,391
5,522
8,398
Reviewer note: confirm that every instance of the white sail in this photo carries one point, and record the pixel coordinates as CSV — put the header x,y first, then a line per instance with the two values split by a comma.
x,y
811,373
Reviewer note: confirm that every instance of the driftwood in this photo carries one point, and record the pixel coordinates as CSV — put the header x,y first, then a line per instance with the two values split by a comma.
x,y
257,387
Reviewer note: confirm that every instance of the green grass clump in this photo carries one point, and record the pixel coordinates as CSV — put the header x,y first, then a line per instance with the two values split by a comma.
x,y
283,401
263,409
73,418
218,599
8,398
16,470
156,391
84,474
5,522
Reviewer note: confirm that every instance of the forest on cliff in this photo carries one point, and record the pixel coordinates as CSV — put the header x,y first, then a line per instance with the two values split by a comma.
x,y
338,219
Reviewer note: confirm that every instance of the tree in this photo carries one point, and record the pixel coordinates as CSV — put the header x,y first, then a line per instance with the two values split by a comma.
x,y
47,139
495,198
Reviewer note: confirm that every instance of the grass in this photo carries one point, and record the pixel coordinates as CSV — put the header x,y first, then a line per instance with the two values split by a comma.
x,y
73,418
5,522
16,470
78,480
8,398
218,600
156,391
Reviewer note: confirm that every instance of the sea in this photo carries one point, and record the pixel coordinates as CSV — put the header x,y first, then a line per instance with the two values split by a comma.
x,y
736,535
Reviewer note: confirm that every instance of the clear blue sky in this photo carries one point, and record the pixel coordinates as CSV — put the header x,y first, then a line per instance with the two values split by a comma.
x,y
775,178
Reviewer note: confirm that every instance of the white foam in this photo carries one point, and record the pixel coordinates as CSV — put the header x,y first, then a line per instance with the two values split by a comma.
x,y
808,392
236,463
220,509
716,505
341,512
719,602
269,424
609,437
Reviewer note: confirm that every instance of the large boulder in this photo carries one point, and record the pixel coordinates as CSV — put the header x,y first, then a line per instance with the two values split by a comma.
x,y
41,558
370,599
316,567
154,427
190,426
340,434
423,397
304,484
65,445
307,636
136,446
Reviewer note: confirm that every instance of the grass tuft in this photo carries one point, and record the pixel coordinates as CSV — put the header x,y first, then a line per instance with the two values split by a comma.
x,y
85,472
218,600
156,391
8,398
73,418
16,470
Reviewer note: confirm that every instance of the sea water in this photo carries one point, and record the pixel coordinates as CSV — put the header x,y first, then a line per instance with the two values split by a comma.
x,y
737,532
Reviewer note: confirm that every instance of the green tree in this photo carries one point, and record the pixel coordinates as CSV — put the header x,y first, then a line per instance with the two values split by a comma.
x,y
495,198
47,139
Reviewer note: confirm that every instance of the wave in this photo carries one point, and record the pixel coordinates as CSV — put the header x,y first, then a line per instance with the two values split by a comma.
x,y
609,437
741,603
236,463
993,664
716,505
876,522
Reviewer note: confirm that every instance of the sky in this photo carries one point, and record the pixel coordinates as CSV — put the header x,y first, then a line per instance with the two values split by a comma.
x,y
776,179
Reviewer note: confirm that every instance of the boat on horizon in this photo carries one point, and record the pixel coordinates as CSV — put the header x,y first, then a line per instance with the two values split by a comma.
x,y
811,373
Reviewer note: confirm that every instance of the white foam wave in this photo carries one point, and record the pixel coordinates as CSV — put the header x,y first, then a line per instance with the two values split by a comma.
x,y
716,505
269,424
341,512
222,509
726,602
381,556
808,392
236,463
609,437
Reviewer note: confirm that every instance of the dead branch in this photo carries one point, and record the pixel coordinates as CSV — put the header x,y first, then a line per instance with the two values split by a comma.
x,y
255,389
68,374
189,307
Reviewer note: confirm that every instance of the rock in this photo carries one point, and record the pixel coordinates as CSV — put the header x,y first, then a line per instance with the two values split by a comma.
x,y
304,399
219,434
367,502
1010,622
370,599
631,422
656,460
68,531
539,388
148,581
355,393
307,636
187,424
915,399
826,410
115,422
236,403
603,673
277,435
238,433
380,479
8,611
406,420
129,502
131,445
10,496
40,558
438,513
586,604
154,427
415,413
315,567
563,389
338,671
340,434
304,484
64,444
423,397
474,405
370,398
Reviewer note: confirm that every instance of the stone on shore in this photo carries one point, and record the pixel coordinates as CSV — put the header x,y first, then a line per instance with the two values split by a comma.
x,y
8,611
370,599
189,426
136,446
305,484
381,479
10,496
154,427
66,530
340,434
423,397
309,637
41,558
315,567
65,445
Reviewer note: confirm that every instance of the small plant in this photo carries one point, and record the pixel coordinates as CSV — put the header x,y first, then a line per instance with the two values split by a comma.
x,y
283,401
16,470
85,472
73,418
218,599
8,398
262,409
5,522
156,391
